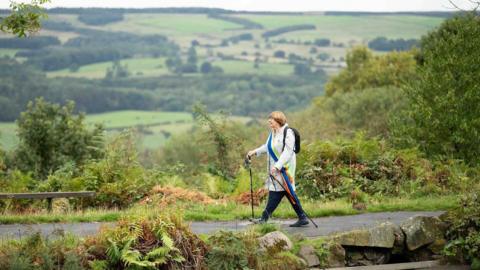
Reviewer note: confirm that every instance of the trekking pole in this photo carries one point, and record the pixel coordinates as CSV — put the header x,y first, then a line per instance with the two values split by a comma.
x,y
294,198
247,165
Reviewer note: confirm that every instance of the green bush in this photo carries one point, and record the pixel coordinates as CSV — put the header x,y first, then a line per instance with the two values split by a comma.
x,y
162,243
228,252
368,110
118,178
241,250
40,253
51,135
464,231
364,70
329,170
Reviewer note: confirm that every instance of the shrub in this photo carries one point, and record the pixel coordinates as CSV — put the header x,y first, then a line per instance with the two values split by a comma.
x,y
51,135
364,70
329,170
164,243
38,252
464,231
228,252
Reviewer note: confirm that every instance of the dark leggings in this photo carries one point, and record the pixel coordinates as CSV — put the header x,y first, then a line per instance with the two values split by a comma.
x,y
274,199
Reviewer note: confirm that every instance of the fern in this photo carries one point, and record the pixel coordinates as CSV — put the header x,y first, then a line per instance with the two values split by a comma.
x,y
98,265
113,252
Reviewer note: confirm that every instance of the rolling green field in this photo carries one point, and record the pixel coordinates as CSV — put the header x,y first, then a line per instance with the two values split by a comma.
x,y
8,52
8,138
239,67
138,67
151,67
171,24
125,119
346,28
184,28
153,128
150,126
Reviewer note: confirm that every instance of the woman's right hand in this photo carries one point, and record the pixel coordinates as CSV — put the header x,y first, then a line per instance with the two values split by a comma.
x,y
251,153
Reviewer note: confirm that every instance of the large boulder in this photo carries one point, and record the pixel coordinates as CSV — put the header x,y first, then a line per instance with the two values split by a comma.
x,y
277,240
420,231
307,253
382,236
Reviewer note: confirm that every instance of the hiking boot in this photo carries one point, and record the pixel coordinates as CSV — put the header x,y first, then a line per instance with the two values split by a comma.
x,y
259,221
300,222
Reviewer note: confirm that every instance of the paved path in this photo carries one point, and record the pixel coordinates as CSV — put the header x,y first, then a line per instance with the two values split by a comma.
x,y
327,225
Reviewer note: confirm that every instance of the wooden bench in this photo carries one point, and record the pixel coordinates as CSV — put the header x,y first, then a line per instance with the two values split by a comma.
x,y
47,195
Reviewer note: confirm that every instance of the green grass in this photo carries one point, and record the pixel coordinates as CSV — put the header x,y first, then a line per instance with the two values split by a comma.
x,y
237,67
233,211
8,52
345,28
156,124
125,119
138,67
172,122
8,137
171,24
145,67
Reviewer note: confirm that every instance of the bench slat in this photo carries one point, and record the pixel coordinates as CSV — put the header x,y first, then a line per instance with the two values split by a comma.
x,y
46,195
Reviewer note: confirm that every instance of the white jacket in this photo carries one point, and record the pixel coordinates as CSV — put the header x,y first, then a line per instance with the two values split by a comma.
x,y
287,158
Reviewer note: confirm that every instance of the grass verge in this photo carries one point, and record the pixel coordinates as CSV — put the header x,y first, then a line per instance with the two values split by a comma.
x,y
233,211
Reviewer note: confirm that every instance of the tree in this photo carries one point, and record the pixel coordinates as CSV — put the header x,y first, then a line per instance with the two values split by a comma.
x,y
225,144
443,114
364,70
302,69
322,42
256,64
117,71
195,43
206,67
279,54
51,136
192,56
24,18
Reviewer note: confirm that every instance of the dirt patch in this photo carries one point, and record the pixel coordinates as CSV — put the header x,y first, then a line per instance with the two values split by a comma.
x,y
258,196
166,195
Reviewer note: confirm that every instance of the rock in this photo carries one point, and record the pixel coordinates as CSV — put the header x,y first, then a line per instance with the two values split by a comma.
x,y
275,239
366,256
379,236
355,258
377,255
336,256
399,244
437,246
420,254
307,253
420,231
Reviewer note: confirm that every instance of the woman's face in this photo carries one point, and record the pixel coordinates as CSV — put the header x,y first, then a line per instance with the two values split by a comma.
x,y
273,124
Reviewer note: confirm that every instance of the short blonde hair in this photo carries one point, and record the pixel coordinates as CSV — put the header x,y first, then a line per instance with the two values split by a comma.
x,y
279,117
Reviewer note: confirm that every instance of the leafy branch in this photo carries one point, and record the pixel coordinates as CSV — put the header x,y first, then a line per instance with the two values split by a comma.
x,y
24,18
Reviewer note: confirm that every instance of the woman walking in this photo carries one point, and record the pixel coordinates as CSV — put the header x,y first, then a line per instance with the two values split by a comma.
x,y
281,162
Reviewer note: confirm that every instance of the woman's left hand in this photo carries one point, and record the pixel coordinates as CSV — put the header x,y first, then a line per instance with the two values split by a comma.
x,y
274,171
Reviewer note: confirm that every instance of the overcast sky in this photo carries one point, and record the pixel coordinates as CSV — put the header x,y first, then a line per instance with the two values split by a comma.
x,y
272,5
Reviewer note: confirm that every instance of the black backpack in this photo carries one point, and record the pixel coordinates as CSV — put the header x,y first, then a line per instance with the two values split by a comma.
x,y
296,149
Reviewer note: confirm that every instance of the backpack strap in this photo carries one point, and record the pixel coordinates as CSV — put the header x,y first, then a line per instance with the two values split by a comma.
x,y
284,137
